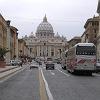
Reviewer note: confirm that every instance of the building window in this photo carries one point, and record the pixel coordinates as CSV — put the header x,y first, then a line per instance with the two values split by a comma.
x,y
95,31
95,36
52,53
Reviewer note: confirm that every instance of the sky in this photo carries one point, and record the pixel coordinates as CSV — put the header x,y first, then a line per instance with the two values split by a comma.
x,y
67,17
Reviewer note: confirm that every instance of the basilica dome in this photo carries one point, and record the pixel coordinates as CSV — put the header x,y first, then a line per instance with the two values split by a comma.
x,y
44,27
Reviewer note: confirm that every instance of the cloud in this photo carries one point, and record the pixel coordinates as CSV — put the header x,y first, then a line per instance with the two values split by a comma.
x,y
67,16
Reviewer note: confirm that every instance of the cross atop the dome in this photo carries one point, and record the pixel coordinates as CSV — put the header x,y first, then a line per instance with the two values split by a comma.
x,y
45,18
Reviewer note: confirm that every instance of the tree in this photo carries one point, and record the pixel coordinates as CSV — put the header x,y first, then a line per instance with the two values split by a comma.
x,y
3,51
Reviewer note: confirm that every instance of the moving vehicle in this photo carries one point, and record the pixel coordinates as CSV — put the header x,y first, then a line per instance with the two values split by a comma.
x,y
34,66
49,63
98,66
81,58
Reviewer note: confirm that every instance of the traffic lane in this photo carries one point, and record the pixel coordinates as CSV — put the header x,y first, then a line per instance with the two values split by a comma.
x,y
64,87
22,86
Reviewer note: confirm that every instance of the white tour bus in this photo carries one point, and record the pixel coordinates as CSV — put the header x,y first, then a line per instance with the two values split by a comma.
x,y
81,58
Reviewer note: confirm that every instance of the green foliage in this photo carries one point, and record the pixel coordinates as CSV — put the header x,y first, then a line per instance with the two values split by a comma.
x,y
3,51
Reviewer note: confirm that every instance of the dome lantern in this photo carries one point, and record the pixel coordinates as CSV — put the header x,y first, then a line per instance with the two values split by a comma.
x,y
45,18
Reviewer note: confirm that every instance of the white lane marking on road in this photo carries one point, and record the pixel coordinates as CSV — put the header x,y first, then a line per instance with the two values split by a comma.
x,y
52,73
64,73
47,87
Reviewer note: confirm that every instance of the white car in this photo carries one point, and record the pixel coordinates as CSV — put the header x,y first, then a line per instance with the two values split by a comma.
x,y
13,62
34,66
98,67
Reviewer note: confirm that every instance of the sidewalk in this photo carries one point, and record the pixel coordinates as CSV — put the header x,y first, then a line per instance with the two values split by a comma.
x,y
4,72
7,68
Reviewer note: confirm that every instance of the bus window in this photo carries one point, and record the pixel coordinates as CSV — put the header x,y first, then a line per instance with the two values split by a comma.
x,y
85,50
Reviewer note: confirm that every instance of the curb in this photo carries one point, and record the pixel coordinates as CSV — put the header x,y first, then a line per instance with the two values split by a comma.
x,y
6,69
8,72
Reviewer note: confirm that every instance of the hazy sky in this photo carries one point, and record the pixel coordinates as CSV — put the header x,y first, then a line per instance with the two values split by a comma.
x,y
66,16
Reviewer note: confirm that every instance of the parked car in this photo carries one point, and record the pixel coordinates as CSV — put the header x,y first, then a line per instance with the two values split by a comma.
x,y
13,62
98,67
49,64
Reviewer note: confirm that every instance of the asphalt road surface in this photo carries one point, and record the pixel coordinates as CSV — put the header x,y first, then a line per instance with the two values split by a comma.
x,y
22,86
42,84
65,86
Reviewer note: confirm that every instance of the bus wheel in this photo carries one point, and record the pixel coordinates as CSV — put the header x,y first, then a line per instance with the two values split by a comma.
x,y
90,73
68,71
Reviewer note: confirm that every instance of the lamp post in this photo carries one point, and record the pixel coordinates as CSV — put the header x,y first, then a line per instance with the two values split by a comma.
x,y
98,46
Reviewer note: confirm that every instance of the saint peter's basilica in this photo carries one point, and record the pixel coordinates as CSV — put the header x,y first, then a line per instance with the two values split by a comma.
x,y
45,43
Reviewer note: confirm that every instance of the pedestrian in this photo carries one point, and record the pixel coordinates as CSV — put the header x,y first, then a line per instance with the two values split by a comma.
x,y
40,63
21,63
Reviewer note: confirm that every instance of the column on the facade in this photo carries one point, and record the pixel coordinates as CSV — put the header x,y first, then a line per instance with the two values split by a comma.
x,y
16,50
42,50
35,51
8,55
46,51
29,51
38,51
49,51
54,51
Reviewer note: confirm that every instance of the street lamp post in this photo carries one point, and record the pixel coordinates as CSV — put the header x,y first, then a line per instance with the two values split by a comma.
x,y
98,46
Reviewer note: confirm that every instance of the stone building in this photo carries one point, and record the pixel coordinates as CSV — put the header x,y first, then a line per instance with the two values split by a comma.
x,y
74,41
8,39
91,30
92,34
3,32
44,43
22,48
12,42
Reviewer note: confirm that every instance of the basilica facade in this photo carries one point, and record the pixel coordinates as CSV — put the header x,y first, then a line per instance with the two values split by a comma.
x,y
45,43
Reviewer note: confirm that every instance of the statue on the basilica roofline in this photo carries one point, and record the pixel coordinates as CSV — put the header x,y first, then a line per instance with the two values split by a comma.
x,y
98,8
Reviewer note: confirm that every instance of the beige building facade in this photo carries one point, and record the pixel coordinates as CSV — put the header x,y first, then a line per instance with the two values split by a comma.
x,y
91,30
3,32
12,42
8,39
92,34
44,43
22,49
74,41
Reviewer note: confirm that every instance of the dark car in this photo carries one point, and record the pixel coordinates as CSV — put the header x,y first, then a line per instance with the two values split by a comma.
x,y
49,64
